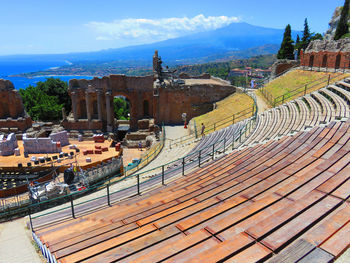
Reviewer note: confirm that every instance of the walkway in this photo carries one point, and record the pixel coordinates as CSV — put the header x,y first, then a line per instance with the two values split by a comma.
x,y
262,105
170,154
16,243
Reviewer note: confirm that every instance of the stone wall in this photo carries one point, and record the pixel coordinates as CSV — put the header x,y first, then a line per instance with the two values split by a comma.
x,y
187,76
45,145
61,137
8,145
327,54
12,113
92,101
282,65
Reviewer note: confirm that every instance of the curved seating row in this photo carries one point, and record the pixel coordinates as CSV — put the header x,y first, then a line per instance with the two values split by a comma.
x,y
319,107
283,200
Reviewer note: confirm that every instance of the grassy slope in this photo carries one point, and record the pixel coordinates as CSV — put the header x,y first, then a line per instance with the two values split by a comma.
x,y
298,79
233,104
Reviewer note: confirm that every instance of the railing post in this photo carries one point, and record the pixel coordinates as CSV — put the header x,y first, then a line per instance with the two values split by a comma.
x,y
138,184
274,102
282,98
233,119
163,181
30,220
72,206
213,151
305,90
199,158
183,166
329,78
214,126
108,197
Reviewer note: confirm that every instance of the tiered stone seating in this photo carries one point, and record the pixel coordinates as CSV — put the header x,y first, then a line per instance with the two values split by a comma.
x,y
283,200
319,107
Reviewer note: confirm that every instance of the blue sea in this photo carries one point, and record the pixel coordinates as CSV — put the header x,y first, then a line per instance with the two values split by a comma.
x,y
8,68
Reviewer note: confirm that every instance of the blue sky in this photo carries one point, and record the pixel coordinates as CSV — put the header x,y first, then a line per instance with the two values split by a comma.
x,y
47,26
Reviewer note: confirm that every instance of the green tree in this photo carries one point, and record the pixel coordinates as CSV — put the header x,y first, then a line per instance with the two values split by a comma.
x,y
305,40
298,45
316,36
121,108
287,48
44,101
342,27
57,88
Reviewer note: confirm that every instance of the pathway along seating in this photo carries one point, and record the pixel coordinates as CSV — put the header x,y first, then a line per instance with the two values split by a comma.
x,y
319,107
285,200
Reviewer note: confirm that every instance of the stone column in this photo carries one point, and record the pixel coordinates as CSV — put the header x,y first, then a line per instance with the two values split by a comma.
x,y
74,106
108,110
88,110
99,105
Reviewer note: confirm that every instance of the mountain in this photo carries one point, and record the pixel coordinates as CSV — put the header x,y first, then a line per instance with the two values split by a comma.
x,y
238,40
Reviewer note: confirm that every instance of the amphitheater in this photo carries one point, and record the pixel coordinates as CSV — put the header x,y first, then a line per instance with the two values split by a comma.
x,y
273,187
261,186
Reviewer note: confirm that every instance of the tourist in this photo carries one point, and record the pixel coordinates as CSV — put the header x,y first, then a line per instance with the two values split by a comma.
x,y
203,128
140,146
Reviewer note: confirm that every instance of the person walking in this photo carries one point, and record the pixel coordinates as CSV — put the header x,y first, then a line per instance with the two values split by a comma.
x,y
203,128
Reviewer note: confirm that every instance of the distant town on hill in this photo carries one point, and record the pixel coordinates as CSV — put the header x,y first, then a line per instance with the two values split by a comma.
x,y
235,41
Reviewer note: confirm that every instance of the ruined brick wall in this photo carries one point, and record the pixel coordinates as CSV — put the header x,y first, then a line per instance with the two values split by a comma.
x,y
193,100
12,113
327,54
92,101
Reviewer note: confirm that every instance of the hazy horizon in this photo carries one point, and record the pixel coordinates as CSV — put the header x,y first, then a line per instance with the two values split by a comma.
x,y
49,27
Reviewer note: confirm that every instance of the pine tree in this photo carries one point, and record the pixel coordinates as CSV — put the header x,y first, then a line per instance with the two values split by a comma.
x,y
305,41
287,48
342,27
298,45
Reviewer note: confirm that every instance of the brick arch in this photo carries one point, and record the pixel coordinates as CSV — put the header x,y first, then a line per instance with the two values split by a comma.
x,y
324,61
133,106
311,61
146,111
337,61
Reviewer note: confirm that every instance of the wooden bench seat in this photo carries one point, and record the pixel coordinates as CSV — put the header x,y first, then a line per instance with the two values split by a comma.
x,y
266,197
339,242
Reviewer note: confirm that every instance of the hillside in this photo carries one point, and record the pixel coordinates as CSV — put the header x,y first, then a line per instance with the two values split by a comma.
x,y
237,40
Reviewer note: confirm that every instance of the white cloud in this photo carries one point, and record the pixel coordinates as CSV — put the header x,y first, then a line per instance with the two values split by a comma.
x,y
147,30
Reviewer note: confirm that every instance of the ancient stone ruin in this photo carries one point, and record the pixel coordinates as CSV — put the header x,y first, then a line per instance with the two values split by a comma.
x,y
282,65
13,117
8,144
327,54
51,144
161,97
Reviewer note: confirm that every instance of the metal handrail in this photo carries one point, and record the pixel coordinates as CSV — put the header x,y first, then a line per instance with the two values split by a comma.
x,y
107,183
274,101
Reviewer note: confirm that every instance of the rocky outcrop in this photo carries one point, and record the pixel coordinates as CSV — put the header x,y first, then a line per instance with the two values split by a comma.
x,y
341,45
333,24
